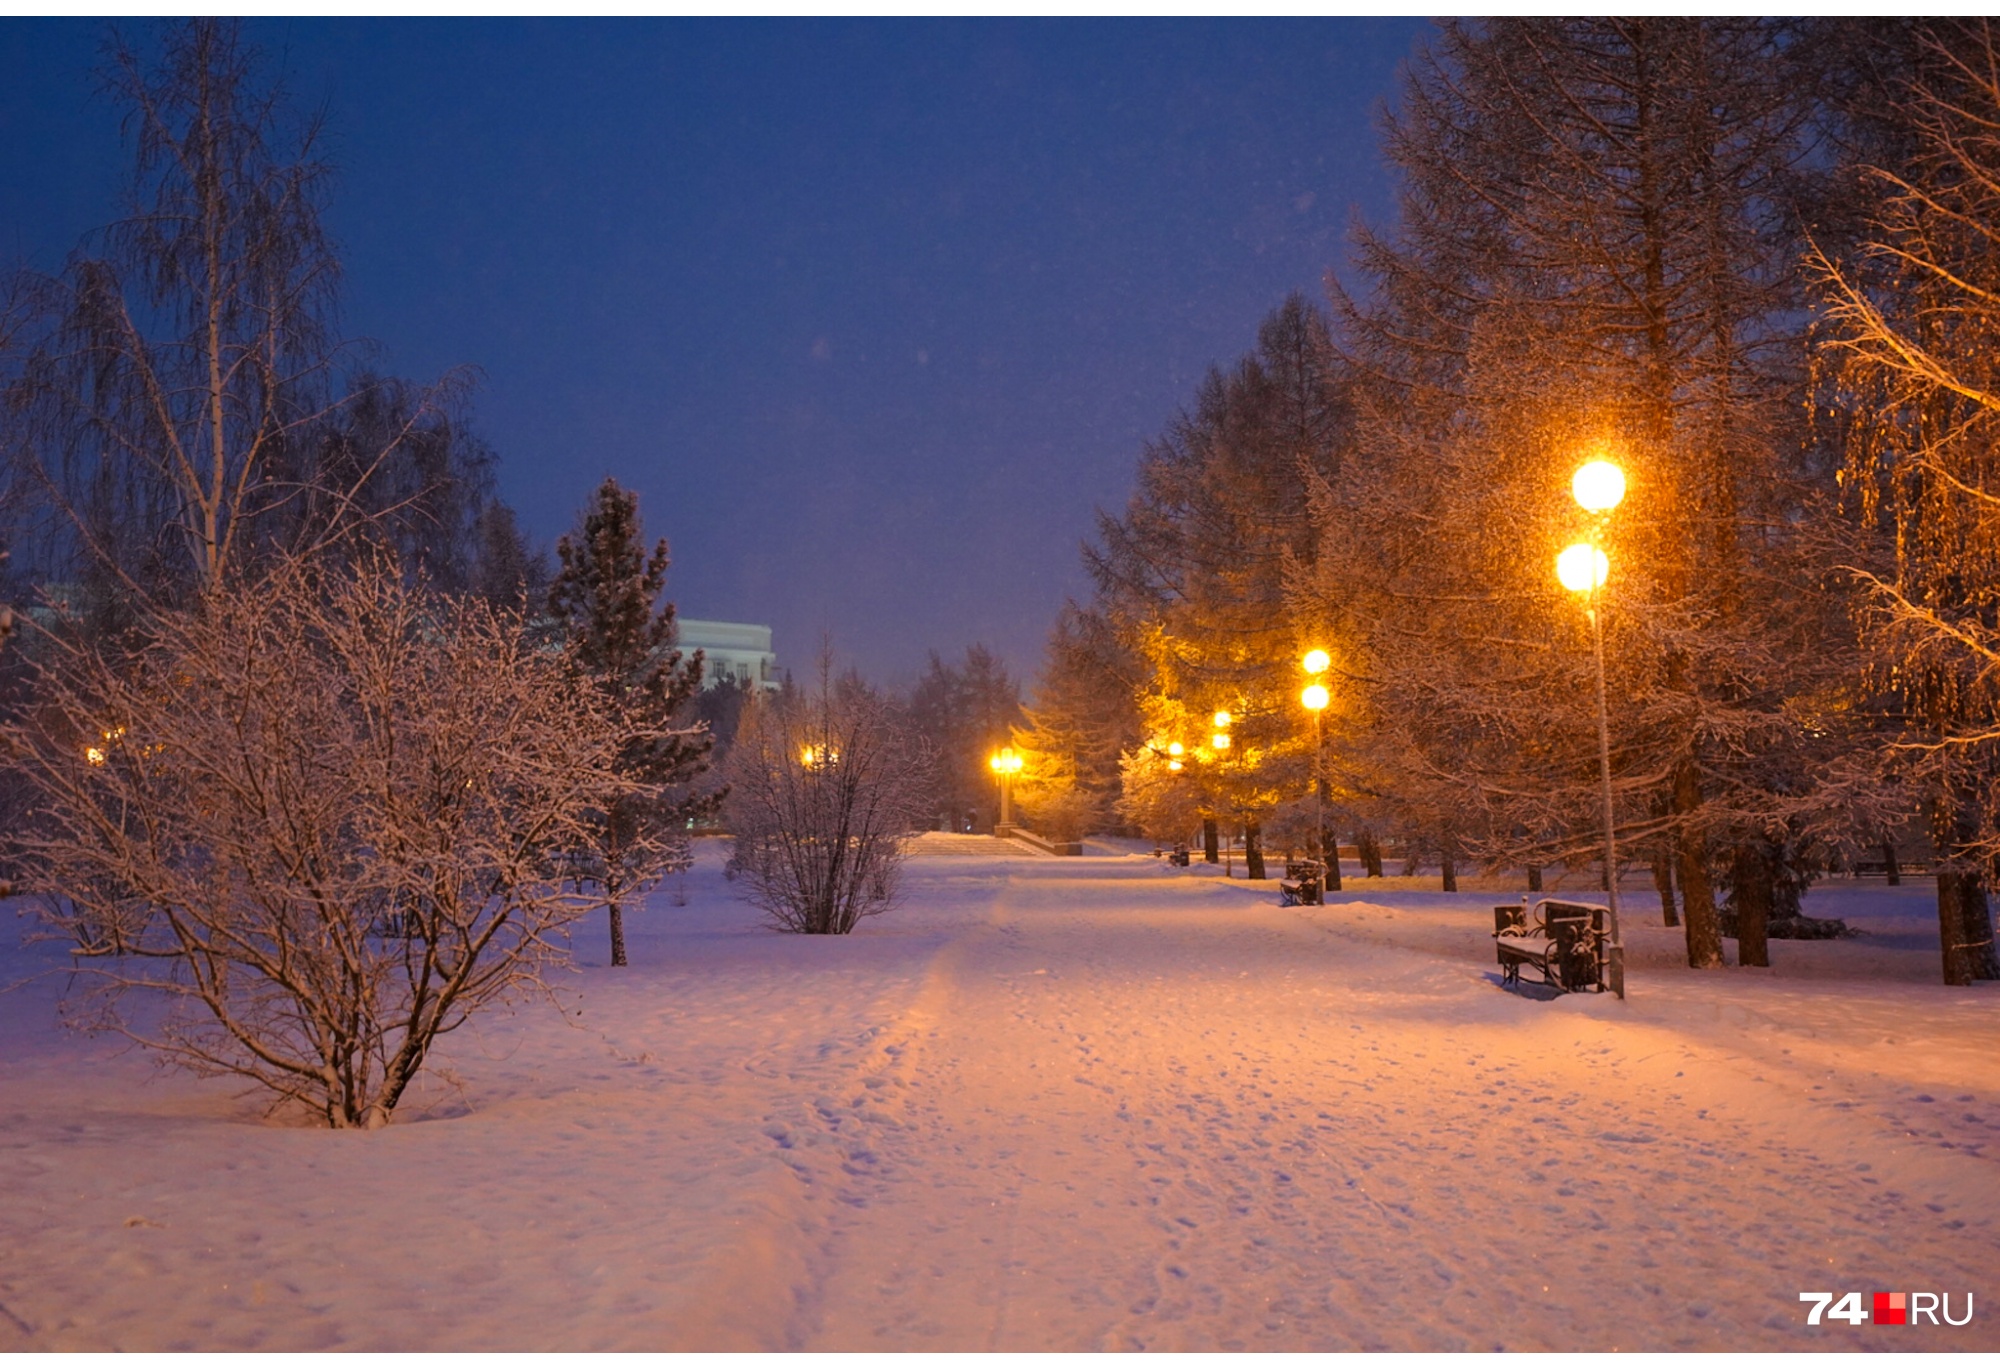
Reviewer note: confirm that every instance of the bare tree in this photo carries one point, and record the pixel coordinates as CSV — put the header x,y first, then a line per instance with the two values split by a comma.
x,y
825,790
176,411
321,815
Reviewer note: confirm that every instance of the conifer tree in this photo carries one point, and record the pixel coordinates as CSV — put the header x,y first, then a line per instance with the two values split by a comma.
x,y
607,594
1914,324
1082,721
1193,579
1594,258
964,713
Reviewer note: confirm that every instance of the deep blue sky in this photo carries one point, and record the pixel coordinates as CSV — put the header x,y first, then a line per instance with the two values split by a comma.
x,y
873,315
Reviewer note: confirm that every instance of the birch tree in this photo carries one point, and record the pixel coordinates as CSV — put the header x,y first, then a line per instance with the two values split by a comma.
x,y
179,408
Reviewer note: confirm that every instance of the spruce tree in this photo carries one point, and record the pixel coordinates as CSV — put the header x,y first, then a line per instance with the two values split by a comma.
x,y
607,594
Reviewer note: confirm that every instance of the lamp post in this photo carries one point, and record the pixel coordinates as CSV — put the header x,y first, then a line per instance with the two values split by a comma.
x,y
1583,568
1315,698
1005,763
1219,741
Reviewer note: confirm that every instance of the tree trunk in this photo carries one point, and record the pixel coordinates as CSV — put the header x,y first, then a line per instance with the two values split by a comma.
x,y
1370,852
1449,870
617,934
1534,879
1704,934
1752,875
1253,850
1956,970
1210,842
1965,923
1892,866
1329,845
1975,922
1965,927
1663,880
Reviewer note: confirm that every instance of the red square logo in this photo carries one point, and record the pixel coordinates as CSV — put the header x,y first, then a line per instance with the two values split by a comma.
x,y
1892,1309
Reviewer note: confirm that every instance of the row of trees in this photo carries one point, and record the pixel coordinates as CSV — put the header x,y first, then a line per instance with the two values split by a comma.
x,y
305,746
1753,261
296,745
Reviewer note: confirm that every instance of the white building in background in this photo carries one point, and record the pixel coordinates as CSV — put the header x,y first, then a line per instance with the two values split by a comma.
x,y
731,652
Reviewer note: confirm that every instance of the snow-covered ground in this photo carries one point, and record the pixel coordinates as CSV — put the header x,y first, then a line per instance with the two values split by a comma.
x,y
1084,1103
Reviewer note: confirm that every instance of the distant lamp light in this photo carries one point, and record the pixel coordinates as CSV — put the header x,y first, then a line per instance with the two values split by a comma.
x,y
1006,761
1220,741
1582,568
1222,720
1315,697
1173,765
1598,486
94,754
1316,662
1175,749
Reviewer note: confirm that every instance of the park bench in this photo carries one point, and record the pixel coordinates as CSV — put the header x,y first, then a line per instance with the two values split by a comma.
x,y
1303,884
1564,942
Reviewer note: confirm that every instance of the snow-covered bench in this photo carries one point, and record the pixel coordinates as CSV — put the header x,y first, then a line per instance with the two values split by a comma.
x,y
1564,942
1304,883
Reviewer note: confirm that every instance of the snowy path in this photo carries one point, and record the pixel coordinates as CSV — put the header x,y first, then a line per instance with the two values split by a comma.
x,y
1159,1128
1048,1104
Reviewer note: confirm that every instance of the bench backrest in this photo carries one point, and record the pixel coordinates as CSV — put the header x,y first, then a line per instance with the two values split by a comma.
x,y
1510,917
1553,910
1569,926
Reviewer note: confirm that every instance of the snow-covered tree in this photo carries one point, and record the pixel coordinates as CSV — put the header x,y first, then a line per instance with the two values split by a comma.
x,y
1192,576
1594,257
965,712
322,816
607,594
1914,323
826,787
1081,722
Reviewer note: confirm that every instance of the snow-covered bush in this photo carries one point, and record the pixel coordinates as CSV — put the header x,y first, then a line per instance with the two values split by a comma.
x,y
825,790
322,817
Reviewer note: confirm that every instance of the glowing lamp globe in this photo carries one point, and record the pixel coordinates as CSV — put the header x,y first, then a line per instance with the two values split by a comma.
x,y
1598,486
1175,748
1582,568
1222,720
1314,697
1220,741
1316,662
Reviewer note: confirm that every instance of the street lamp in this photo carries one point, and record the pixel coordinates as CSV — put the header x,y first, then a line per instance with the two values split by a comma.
x,y
1006,763
1583,568
1315,698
